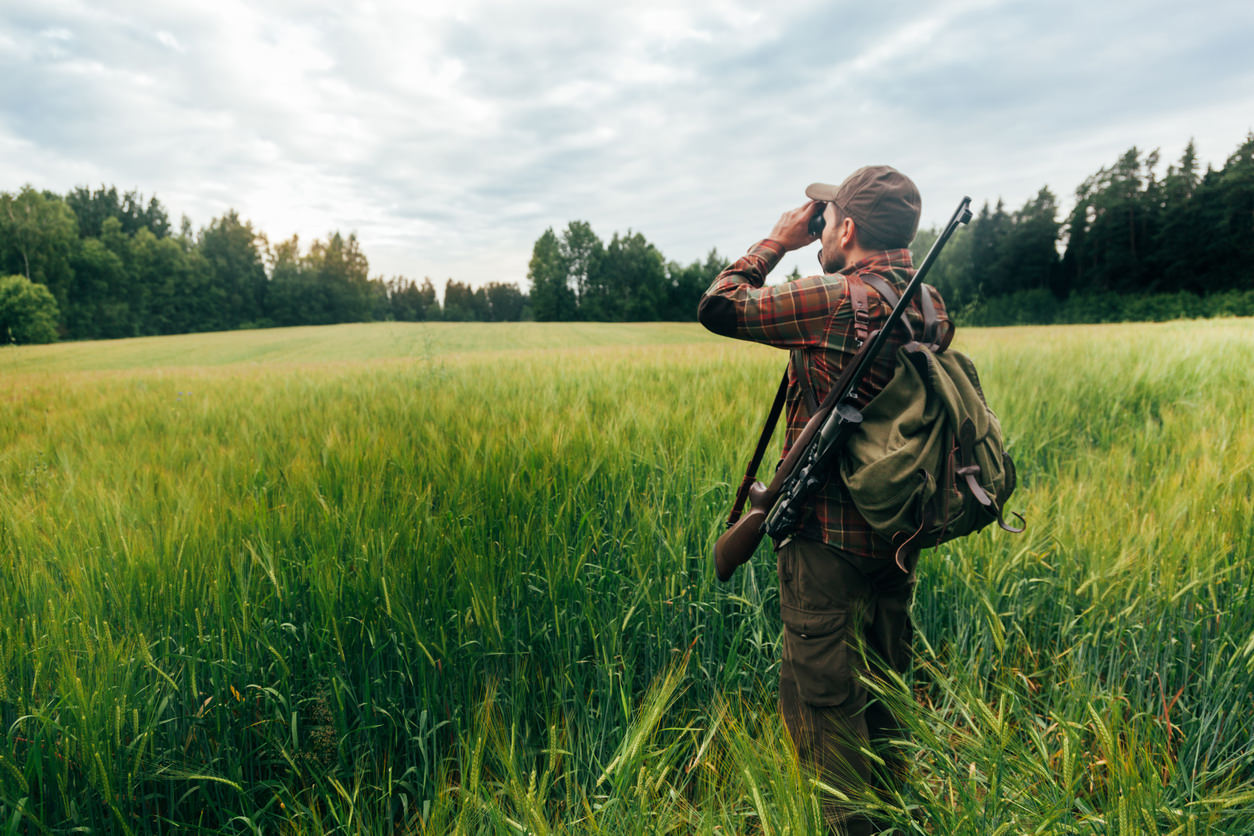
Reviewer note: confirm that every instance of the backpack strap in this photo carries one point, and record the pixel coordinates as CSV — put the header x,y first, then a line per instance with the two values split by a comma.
x,y
931,321
885,290
968,470
861,314
803,378
937,334
861,329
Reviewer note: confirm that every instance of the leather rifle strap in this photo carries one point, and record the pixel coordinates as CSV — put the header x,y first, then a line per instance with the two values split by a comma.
x,y
768,430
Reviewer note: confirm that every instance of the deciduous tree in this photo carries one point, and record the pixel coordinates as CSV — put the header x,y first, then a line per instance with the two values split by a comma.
x,y
37,236
233,250
28,312
551,298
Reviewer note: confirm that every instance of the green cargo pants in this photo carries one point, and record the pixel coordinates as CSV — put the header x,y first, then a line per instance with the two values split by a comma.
x,y
845,617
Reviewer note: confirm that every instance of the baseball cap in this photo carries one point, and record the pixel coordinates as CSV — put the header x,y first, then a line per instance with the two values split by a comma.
x,y
880,199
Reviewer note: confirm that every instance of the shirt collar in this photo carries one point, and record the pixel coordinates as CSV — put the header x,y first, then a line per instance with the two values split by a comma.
x,y
882,261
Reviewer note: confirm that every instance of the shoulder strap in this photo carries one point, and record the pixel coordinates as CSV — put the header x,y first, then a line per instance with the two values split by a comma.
x,y
936,334
883,288
890,295
931,321
861,329
857,300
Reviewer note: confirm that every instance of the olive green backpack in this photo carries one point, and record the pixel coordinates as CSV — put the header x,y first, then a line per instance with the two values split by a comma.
x,y
928,462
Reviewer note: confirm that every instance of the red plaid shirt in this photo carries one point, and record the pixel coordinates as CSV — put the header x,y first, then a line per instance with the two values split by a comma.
x,y
814,314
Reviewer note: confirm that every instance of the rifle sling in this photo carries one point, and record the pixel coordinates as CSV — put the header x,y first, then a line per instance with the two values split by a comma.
x,y
772,418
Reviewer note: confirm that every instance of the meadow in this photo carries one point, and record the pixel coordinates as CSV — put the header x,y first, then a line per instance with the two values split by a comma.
x,y
432,578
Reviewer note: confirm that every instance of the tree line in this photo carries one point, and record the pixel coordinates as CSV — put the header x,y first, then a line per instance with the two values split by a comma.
x,y
1137,244
99,264
577,276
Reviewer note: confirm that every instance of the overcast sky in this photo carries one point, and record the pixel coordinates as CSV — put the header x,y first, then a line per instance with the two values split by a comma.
x,y
449,135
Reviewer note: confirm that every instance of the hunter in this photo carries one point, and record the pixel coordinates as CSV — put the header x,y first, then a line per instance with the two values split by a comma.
x,y
844,600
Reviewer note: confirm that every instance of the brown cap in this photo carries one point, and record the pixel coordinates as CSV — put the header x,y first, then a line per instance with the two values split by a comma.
x,y
880,199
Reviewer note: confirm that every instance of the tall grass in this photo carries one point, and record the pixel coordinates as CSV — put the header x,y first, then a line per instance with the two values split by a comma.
x,y
409,583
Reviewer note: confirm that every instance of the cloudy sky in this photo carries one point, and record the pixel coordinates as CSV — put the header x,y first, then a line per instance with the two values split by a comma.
x,y
449,135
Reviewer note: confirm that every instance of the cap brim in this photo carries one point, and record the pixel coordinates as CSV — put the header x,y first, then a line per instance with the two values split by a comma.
x,y
821,191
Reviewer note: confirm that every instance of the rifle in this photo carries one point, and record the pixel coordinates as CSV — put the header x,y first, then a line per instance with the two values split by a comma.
x,y
776,509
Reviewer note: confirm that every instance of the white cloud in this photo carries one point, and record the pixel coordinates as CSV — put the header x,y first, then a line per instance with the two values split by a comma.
x,y
169,41
448,136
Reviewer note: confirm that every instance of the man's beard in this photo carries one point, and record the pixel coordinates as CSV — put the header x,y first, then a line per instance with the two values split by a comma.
x,y
834,264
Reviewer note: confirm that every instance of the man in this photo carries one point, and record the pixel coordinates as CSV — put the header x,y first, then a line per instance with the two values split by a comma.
x,y
844,601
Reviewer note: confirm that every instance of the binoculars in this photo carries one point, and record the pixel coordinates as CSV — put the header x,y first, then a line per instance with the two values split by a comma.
x,y
816,220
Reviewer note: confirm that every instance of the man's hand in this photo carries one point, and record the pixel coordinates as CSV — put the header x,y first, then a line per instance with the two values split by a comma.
x,y
792,230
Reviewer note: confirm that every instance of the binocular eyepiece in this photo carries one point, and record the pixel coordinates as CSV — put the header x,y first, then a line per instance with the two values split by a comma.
x,y
816,220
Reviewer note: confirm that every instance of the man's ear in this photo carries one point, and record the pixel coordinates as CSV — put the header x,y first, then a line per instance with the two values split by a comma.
x,y
847,233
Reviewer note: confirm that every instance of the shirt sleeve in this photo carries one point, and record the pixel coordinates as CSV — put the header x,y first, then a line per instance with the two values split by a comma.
x,y
790,315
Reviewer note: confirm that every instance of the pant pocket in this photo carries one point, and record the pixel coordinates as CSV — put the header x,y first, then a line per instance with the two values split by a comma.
x,y
816,651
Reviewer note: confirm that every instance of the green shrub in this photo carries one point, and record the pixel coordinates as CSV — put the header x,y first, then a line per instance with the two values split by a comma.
x,y
1231,303
28,313
1027,307
1040,307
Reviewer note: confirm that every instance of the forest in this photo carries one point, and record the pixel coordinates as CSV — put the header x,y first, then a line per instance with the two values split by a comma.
x,y
1136,246
1138,243
98,265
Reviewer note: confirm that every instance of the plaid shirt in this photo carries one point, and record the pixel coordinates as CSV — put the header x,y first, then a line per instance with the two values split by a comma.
x,y
813,315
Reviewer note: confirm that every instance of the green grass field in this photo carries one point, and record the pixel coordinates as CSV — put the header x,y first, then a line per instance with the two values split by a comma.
x,y
455,578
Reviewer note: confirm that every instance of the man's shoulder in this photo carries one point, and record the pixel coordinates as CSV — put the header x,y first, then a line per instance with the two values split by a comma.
x,y
898,280
827,283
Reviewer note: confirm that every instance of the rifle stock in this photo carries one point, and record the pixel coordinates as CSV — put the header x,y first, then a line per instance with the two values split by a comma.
x,y
738,543
744,531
